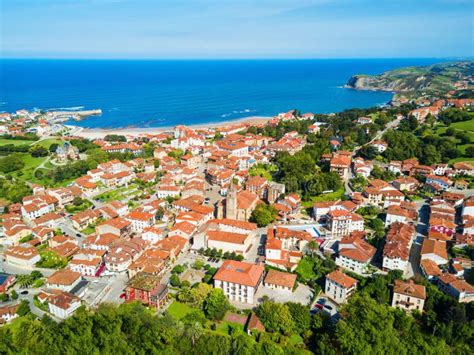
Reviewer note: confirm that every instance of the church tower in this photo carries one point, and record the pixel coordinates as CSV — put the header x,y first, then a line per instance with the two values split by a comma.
x,y
231,202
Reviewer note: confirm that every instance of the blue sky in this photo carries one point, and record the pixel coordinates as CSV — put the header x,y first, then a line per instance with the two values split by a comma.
x,y
236,29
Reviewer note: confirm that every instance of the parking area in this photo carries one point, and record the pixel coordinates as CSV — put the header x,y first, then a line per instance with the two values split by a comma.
x,y
324,304
303,294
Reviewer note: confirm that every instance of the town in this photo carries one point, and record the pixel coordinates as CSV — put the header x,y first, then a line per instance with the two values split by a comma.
x,y
245,222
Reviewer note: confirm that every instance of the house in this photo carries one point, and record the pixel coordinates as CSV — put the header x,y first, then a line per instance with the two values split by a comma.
x,y
24,256
380,146
400,214
339,286
430,269
279,280
434,250
229,242
86,265
406,183
239,280
64,280
63,304
442,182
147,289
118,226
408,296
83,219
8,313
341,165
457,288
397,246
355,254
140,220
284,247
342,223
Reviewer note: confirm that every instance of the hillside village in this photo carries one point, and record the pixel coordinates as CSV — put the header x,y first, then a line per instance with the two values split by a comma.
x,y
306,209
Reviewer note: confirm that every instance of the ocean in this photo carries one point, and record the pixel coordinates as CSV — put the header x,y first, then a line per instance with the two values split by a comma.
x,y
163,93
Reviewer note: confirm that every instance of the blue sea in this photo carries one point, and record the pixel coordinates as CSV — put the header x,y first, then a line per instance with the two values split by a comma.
x,y
163,93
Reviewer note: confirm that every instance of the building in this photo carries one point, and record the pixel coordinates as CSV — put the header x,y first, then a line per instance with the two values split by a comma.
x,y
8,313
63,304
339,286
434,250
229,242
239,280
355,254
457,288
342,223
22,256
408,296
147,289
397,246
278,280
64,280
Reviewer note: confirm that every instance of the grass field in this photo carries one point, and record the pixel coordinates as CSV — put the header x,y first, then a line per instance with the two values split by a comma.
x,y
15,142
224,327
179,310
117,194
332,196
466,125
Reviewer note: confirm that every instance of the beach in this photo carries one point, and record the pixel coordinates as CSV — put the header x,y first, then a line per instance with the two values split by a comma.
x,y
97,133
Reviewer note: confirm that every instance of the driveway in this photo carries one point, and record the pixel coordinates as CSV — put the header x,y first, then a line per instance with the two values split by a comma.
x,y
303,294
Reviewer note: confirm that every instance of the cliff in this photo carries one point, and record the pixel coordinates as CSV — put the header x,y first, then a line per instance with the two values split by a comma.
x,y
437,78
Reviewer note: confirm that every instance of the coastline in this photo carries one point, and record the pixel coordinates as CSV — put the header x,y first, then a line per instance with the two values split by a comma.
x,y
96,133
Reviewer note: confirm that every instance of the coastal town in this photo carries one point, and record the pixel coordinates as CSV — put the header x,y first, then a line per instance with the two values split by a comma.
x,y
302,208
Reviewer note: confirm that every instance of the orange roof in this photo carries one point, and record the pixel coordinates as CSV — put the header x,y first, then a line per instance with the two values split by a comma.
x,y
409,289
430,267
239,272
432,246
342,279
235,238
280,278
63,277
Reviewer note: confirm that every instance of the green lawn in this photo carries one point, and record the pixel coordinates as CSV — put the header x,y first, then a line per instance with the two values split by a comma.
x,y
465,125
224,327
82,207
333,196
117,194
179,310
15,142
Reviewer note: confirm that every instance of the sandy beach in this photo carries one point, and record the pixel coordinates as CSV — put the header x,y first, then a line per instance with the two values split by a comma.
x,y
94,133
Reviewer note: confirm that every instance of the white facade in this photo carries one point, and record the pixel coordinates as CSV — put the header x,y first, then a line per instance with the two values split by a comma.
x,y
64,313
352,265
394,263
336,292
237,292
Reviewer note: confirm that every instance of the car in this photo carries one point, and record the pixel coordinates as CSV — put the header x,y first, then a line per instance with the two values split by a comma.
x,y
318,306
24,292
322,301
328,307
122,295
207,199
79,235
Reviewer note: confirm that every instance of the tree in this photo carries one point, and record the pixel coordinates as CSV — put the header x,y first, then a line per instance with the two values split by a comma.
x,y
53,147
39,151
77,201
23,308
14,295
276,317
12,162
193,332
216,304
470,151
300,316
175,281
263,215
199,294
312,246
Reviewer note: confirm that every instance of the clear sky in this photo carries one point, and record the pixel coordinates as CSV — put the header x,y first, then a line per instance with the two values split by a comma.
x,y
236,28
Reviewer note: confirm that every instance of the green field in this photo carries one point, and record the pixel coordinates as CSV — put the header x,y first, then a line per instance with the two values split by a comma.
x,y
118,194
15,142
465,125
179,310
332,196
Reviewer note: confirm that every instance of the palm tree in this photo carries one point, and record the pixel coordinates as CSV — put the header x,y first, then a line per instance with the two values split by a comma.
x,y
193,332
312,246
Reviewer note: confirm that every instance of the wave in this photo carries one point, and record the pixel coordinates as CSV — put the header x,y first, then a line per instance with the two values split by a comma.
x,y
73,108
237,112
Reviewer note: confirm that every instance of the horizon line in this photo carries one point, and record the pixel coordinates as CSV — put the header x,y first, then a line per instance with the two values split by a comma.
x,y
231,58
